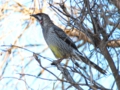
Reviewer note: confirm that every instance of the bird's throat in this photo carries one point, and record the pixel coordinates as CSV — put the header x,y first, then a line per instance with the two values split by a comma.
x,y
41,21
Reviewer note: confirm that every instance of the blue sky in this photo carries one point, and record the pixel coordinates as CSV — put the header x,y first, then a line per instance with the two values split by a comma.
x,y
22,61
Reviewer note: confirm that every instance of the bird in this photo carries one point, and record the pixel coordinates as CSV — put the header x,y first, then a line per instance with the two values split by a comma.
x,y
60,43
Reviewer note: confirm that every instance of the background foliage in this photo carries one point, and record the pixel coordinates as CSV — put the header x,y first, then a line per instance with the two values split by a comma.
x,y
25,61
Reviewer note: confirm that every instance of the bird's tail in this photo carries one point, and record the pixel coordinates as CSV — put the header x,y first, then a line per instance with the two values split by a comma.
x,y
79,56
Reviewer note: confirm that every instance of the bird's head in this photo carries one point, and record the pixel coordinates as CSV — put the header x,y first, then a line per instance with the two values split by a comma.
x,y
41,17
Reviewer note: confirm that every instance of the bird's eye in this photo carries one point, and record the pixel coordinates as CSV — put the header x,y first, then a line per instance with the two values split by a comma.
x,y
39,17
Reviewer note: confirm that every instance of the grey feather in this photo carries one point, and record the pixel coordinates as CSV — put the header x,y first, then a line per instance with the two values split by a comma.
x,y
55,36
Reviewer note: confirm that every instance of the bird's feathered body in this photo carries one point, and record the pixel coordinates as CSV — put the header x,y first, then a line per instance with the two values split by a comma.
x,y
61,44
56,39
57,43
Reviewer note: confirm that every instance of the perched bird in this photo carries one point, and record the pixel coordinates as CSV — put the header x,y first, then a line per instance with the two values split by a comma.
x,y
61,44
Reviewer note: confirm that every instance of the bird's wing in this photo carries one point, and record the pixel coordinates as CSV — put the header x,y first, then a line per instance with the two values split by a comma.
x,y
61,34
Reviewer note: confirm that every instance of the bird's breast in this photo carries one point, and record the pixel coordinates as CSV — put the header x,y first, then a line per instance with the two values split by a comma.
x,y
58,46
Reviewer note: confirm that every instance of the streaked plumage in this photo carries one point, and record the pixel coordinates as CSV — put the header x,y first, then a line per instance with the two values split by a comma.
x,y
60,44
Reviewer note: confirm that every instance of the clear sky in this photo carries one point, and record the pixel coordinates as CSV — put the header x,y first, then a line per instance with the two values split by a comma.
x,y
20,61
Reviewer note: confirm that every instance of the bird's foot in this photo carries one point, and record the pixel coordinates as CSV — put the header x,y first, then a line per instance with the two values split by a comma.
x,y
55,62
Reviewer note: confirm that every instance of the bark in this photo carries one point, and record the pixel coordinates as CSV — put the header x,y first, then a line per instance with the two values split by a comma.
x,y
81,36
116,3
109,59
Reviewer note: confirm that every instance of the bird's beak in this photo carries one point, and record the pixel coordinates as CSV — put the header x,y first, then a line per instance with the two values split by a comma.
x,y
33,15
